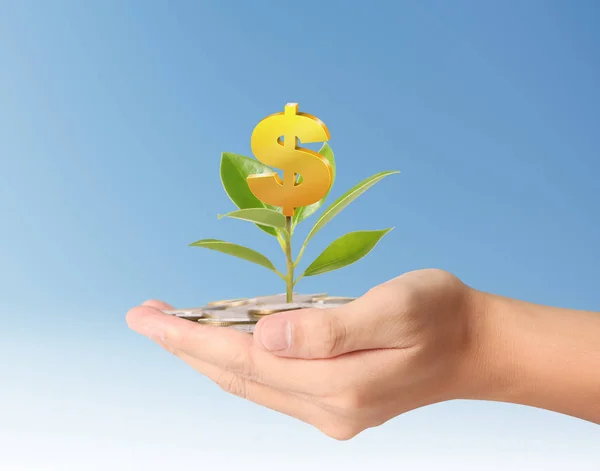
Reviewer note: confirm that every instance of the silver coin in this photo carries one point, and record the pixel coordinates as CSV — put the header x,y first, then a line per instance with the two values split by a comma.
x,y
272,298
183,311
325,306
230,313
226,321
243,313
307,298
281,298
248,328
225,303
266,309
189,314
334,300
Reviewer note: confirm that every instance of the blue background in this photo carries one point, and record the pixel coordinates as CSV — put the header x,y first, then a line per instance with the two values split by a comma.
x,y
113,116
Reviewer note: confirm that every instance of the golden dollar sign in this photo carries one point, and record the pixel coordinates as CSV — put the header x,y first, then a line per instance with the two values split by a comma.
x,y
269,148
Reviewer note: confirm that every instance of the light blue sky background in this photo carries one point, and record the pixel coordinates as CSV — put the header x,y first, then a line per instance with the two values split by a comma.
x,y
113,116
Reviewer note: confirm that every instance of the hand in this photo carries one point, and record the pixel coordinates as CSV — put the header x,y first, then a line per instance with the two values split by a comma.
x,y
406,343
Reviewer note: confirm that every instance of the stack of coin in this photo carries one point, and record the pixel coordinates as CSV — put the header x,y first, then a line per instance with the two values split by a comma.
x,y
243,313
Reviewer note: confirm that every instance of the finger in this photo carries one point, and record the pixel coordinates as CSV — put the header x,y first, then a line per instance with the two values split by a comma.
x,y
372,321
222,347
284,402
233,351
300,408
326,419
280,401
158,305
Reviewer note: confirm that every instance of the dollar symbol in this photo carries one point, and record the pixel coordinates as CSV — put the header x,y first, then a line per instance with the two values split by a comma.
x,y
271,150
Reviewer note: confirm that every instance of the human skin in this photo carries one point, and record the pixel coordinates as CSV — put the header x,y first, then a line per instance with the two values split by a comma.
x,y
418,339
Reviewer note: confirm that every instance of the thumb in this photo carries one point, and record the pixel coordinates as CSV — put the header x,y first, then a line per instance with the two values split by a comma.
x,y
369,322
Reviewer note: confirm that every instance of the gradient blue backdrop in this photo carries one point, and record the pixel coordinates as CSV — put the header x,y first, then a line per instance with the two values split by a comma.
x,y
113,116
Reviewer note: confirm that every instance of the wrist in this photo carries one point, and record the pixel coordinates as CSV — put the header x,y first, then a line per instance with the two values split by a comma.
x,y
533,355
490,364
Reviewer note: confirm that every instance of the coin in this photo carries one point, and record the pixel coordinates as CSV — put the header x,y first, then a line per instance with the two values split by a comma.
x,y
219,313
188,314
191,317
248,328
334,300
282,298
271,298
225,321
242,314
307,298
266,309
225,303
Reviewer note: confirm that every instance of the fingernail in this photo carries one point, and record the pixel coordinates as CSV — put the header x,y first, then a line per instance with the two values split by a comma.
x,y
276,334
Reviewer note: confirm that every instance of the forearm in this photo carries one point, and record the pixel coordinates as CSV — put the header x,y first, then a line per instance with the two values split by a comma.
x,y
536,355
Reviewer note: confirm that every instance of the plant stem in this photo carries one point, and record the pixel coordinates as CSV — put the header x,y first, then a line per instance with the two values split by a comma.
x,y
300,254
298,279
282,241
290,262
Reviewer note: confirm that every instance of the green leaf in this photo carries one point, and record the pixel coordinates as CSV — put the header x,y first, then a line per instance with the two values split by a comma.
x,y
305,211
344,251
262,216
338,205
234,171
236,250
